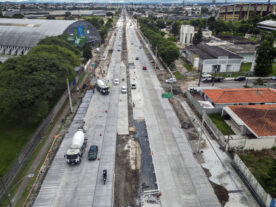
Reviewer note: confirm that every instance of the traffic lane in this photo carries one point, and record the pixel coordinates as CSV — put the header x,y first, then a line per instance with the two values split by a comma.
x,y
177,190
191,190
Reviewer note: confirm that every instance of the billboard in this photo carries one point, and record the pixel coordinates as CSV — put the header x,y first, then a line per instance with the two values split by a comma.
x,y
78,38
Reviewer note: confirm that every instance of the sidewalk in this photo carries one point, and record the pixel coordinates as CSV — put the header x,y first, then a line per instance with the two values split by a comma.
x,y
219,165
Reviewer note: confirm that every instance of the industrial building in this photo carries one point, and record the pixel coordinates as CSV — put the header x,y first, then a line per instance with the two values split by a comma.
x,y
18,36
187,33
212,59
235,12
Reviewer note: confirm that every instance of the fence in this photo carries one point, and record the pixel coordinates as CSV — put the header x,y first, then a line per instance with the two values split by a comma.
x,y
32,143
198,107
260,193
252,144
217,133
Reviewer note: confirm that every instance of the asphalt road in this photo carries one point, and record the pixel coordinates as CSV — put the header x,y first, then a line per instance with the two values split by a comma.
x,y
234,84
180,178
82,185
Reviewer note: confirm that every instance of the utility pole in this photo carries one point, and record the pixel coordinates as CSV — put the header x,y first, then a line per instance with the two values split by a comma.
x,y
201,132
155,58
69,94
6,192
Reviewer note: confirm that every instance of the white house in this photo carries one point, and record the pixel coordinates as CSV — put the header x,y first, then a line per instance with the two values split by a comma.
x,y
212,59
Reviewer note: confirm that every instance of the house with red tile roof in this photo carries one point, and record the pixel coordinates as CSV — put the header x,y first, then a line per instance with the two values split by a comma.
x,y
254,121
240,96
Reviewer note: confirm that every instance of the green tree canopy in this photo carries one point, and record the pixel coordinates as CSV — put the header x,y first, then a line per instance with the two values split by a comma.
x,y
60,52
175,29
265,55
59,41
87,54
197,37
28,85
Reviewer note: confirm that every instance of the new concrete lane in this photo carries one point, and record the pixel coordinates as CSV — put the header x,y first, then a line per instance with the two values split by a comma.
x,y
181,179
82,185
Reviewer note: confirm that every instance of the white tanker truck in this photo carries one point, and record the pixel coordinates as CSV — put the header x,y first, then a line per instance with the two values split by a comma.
x,y
74,153
102,87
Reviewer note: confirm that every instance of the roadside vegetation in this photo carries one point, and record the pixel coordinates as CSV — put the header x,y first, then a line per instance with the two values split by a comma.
x,y
263,166
166,48
245,67
30,86
221,124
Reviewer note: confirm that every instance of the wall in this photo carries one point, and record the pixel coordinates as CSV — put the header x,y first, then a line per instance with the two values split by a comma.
x,y
260,192
251,144
234,64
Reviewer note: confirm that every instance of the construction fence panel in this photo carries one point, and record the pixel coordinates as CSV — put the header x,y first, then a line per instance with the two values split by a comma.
x,y
262,194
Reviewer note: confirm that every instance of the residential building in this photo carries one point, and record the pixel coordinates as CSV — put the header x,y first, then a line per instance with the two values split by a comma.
x,y
253,121
187,33
212,59
240,96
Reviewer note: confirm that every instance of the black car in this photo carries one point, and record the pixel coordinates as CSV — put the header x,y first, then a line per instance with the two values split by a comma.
x,y
93,152
240,78
137,58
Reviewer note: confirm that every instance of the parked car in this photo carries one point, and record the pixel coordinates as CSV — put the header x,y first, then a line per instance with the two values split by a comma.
x,y
171,80
273,78
93,152
137,58
116,82
118,50
140,47
240,78
206,75
144,68
211,79
133,86
123,90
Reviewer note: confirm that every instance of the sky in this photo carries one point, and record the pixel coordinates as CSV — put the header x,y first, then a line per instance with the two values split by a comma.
x,y
143,1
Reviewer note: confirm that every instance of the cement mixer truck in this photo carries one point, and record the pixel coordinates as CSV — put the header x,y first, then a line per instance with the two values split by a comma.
x,y
74,153
102,87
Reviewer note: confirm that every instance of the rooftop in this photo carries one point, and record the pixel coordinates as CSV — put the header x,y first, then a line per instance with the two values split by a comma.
x,y
261,119
267,25
211,52
241,95
240,48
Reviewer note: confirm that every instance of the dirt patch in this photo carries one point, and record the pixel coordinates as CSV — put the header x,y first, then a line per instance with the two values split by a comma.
x,y
220,191
127,171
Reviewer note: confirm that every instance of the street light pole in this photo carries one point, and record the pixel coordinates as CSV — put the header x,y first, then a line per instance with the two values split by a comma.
x,y
6,192
201,132
69,94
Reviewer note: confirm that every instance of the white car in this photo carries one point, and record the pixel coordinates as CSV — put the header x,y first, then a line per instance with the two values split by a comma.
x,y
123,90
206,75
171,80
273,78
116,82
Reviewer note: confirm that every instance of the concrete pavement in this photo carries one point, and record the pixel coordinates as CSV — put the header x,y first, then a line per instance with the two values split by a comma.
x,y
82,185
180,178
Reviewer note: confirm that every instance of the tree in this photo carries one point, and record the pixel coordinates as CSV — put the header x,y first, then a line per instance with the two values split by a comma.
x,y
28,85
169,53
87,54
61,53
197,37
265,55
59,41
109,14
175,29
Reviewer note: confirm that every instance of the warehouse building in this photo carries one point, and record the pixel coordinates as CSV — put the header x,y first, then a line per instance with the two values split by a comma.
x,y
18,36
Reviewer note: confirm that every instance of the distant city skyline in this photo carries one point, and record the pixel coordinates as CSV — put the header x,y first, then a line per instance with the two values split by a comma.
x,y
140,1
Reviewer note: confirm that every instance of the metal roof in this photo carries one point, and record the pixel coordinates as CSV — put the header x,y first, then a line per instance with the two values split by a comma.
x,y
211,52
27,33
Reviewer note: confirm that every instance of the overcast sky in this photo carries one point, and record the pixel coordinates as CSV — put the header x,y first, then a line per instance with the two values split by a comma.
x,y
143,1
